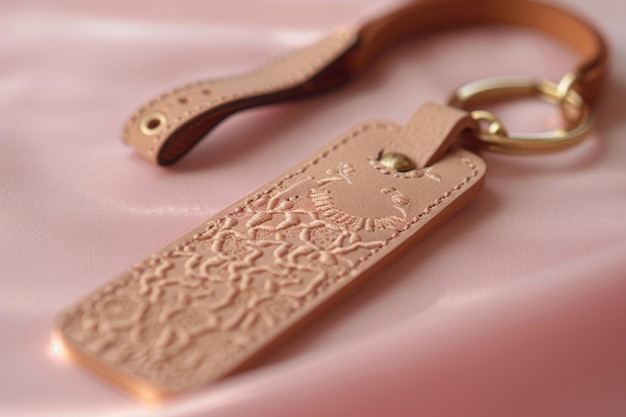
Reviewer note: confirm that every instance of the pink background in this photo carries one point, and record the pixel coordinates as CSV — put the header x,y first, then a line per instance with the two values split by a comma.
x,y
515,307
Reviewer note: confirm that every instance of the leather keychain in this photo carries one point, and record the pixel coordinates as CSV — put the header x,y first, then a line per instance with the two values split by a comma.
x,y
216,299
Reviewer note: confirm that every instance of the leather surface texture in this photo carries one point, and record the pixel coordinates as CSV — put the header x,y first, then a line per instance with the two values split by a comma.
x,y
217,297
513,307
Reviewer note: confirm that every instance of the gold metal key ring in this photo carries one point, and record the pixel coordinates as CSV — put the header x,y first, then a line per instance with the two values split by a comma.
x,y
577,116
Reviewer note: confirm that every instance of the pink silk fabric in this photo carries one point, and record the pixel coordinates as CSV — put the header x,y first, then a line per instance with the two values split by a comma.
x,y
514,307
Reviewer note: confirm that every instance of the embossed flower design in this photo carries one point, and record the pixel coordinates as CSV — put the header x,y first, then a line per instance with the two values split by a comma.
x,y
116,310
342,248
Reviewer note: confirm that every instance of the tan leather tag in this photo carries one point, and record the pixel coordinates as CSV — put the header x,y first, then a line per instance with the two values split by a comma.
x,y
211,302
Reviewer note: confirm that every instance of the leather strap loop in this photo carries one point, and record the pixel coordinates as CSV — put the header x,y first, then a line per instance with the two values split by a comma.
x,y
430,132
167,127
428,16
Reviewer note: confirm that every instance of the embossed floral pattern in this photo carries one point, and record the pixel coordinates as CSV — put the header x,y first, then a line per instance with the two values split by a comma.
x,y
196,310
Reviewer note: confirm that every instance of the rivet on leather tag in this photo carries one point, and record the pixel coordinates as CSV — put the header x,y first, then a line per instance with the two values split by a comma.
x,y
211,302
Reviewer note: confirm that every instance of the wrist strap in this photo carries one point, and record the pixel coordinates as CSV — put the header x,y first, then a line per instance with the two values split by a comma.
x,y
168,126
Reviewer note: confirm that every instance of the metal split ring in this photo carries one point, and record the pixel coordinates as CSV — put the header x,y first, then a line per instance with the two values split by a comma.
x,y
576,113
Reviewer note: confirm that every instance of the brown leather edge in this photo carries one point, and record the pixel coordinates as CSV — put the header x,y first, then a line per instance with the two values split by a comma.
x,y
427,16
